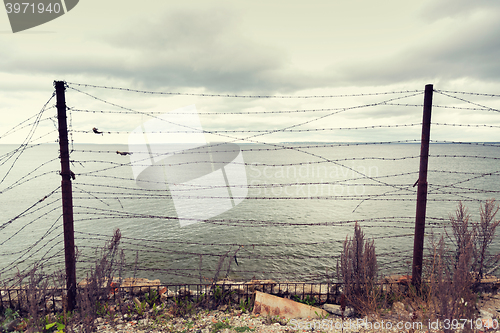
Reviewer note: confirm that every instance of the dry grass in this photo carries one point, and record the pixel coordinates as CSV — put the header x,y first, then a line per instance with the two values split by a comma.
x,y
449,282
99,283
485,233
357,269
35,290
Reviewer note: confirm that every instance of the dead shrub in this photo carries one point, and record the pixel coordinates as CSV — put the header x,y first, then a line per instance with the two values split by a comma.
x,y
99,283
480,234
485,232
357,270
450,283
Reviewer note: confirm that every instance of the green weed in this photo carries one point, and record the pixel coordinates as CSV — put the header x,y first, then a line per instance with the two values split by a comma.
x,y
151,297
182,308
320,316
244,329
56,324
220,325
245,305
309,300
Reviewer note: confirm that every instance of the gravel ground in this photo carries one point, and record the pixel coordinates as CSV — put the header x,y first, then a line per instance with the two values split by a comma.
x,y
165,318
236,321
230,320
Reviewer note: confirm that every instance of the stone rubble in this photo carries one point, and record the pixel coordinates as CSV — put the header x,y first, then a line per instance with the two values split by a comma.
x,y
236,321
226,319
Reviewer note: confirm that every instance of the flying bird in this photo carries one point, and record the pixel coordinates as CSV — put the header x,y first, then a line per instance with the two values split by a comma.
x,y
123,153
96,131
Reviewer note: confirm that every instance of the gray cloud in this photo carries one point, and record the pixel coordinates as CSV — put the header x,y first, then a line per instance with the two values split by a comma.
x,y
182,49
436,10
204,49
470,50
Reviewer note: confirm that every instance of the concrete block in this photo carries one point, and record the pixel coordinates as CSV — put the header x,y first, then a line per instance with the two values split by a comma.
x,y
271,305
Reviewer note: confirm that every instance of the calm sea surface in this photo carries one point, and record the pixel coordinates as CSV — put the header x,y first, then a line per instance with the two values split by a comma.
x,y
301,204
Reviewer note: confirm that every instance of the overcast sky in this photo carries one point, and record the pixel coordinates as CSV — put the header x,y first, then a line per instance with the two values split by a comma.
x,y
293,48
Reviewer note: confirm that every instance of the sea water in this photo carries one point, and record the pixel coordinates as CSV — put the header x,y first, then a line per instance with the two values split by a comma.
x,y
302,202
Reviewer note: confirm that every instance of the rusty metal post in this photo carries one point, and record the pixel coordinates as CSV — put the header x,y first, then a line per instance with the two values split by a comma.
x,y
67,197
418,242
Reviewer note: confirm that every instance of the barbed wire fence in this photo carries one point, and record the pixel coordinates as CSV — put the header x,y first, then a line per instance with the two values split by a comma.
x,y
309,179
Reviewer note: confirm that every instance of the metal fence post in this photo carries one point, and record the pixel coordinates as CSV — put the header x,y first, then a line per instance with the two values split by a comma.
x,y
67,196
418,243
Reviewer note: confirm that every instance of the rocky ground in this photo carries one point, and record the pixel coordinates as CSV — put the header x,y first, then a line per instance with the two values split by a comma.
x,y
236,321
226,319
230,320
165,316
